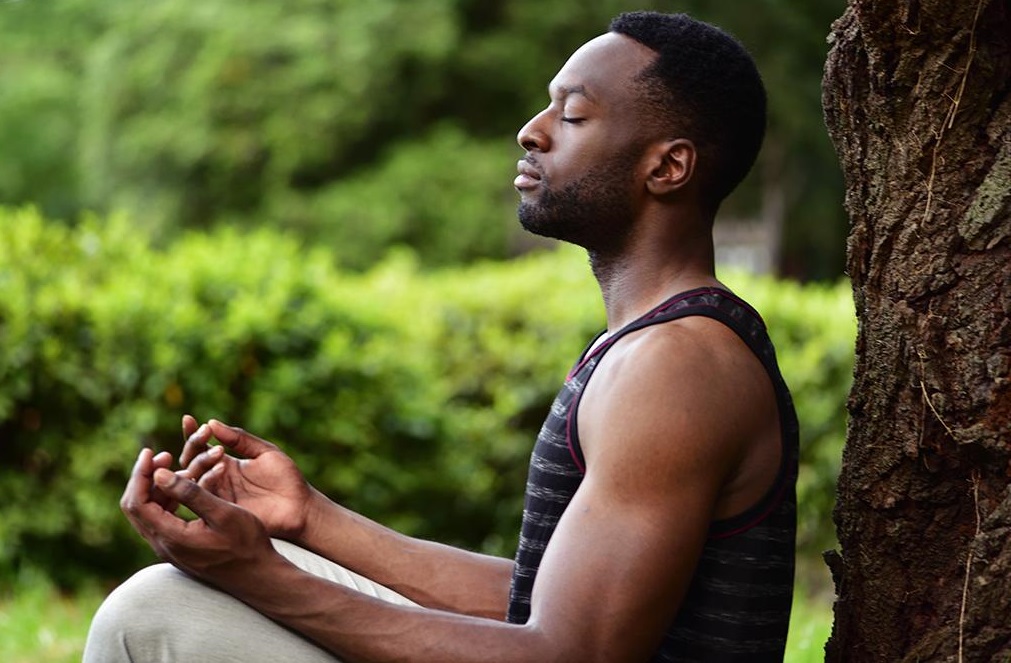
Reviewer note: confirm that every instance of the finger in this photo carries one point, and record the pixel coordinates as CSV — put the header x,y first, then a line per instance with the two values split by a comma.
x,y
242,442
155,524
210,481
209,508
138,487
189,425
202,463
164,501
136,502
163,459
196,444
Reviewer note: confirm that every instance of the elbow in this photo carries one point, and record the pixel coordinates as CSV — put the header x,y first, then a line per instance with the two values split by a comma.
x,y
552,646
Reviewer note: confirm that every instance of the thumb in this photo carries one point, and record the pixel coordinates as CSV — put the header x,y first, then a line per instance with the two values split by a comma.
x,y
210,508
235,438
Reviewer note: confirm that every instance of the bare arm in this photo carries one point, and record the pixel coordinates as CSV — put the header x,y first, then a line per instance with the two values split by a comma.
x,y
659,459
431,574
266,481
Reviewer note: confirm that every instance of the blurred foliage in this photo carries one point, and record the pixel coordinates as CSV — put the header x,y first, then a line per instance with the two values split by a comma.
x,y
412,397
359,124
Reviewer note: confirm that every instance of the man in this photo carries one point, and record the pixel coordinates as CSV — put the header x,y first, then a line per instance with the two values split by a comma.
x,y
659,518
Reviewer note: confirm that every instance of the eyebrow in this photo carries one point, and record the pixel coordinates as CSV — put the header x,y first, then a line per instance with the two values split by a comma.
x,y
566,90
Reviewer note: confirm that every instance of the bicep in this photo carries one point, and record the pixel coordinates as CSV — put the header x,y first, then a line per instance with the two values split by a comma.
x,y
620,562
659,452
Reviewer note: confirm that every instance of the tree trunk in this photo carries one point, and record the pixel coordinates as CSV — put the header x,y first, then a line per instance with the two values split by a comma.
x,y
916,96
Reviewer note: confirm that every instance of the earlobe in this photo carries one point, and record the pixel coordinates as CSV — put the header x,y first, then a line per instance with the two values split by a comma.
x,y
675,167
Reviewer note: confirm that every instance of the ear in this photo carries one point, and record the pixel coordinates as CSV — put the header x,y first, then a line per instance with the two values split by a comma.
x,y
674,166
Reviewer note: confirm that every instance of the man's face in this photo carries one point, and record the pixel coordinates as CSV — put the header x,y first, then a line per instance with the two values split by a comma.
x,y
578,179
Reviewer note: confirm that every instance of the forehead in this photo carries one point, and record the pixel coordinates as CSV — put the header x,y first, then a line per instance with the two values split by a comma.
x,y
603,68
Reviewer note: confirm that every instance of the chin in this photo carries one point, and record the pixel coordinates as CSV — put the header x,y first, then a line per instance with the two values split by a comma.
x,y
534,219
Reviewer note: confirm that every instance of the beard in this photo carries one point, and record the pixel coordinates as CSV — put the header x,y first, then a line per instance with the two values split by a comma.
x,y
594,212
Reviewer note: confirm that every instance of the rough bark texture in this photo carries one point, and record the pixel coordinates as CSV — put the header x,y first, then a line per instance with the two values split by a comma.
x,y
916,96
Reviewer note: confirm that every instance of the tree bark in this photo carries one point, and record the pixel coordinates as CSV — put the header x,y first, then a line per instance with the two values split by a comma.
x,y
916,97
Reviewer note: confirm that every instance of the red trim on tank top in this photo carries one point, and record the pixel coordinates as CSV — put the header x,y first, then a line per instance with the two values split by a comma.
x,y
777,499
652,313
568,433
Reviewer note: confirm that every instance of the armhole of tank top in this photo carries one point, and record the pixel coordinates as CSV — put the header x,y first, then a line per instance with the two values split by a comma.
x,y
585,355
572,434
761,509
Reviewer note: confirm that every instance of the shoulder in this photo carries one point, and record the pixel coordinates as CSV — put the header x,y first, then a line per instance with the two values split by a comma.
x,y
688,395
682,365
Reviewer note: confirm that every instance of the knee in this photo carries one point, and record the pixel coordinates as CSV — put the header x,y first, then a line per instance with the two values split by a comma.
x,y
142,596
138,616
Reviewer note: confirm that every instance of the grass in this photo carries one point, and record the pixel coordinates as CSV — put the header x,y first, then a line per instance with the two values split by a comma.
x,y
40,625
810,626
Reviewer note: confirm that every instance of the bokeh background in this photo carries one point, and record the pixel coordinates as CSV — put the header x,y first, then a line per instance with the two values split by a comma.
x,y
299,217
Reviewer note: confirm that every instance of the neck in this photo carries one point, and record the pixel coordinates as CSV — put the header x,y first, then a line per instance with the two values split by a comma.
x,y
646,273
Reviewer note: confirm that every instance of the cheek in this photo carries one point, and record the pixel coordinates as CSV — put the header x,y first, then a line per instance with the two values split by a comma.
x,y
576,160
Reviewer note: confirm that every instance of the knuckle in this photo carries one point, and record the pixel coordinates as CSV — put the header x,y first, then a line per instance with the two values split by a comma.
x,y
188,489
128,506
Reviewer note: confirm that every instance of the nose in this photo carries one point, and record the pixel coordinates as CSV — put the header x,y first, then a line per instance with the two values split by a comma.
x,y
532,136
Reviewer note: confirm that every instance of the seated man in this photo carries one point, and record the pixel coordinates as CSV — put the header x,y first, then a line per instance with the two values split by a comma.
x,y
659,520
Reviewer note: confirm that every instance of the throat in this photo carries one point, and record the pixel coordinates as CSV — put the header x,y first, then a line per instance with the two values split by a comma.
x,y
610,271
618,282
630,290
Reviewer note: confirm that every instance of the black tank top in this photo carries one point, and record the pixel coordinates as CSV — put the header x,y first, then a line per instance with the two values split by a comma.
x,y
737,607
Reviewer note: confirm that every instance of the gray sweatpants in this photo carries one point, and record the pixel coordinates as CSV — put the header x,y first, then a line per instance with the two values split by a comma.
x,y
162,615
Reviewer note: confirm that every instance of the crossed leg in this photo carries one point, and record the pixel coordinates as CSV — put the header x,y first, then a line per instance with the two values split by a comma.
x,y
162,615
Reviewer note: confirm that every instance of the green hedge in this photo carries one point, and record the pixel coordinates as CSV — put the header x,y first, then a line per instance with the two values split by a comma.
x,y
410,396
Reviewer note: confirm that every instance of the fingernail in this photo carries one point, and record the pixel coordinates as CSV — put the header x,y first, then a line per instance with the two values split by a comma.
x,y
197,433
215,451
164,478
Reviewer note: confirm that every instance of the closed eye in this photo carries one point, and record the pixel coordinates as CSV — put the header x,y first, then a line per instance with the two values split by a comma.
x,y
573,120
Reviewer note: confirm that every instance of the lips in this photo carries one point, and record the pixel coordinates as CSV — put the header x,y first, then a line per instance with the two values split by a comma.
x,y
529,177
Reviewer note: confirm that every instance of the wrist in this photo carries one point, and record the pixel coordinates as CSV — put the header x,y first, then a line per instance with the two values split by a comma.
x,y
260,584
318,511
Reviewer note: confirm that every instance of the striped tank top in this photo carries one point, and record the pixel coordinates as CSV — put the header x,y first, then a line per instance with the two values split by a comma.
x,y
737,607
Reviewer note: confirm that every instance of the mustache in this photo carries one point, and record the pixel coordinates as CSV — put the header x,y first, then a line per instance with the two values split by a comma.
x,y
530,159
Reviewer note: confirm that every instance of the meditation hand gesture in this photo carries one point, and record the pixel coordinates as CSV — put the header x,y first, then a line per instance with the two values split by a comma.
x,y
264,480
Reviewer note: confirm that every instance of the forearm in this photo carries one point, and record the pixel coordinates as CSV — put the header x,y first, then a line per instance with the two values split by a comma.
x,y
431,574
359,628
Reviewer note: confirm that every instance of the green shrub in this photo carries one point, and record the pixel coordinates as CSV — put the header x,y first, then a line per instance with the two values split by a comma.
x,y
412,397
446,218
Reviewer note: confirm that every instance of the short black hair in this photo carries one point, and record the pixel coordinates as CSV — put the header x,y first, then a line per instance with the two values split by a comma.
x,y
705,86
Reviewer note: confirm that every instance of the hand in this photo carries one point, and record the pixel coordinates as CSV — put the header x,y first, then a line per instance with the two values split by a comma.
x,y
195,439
221,547
266,481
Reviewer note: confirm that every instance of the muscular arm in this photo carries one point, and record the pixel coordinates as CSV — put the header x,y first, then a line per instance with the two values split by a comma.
x,y
266,481
661,451
430,574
